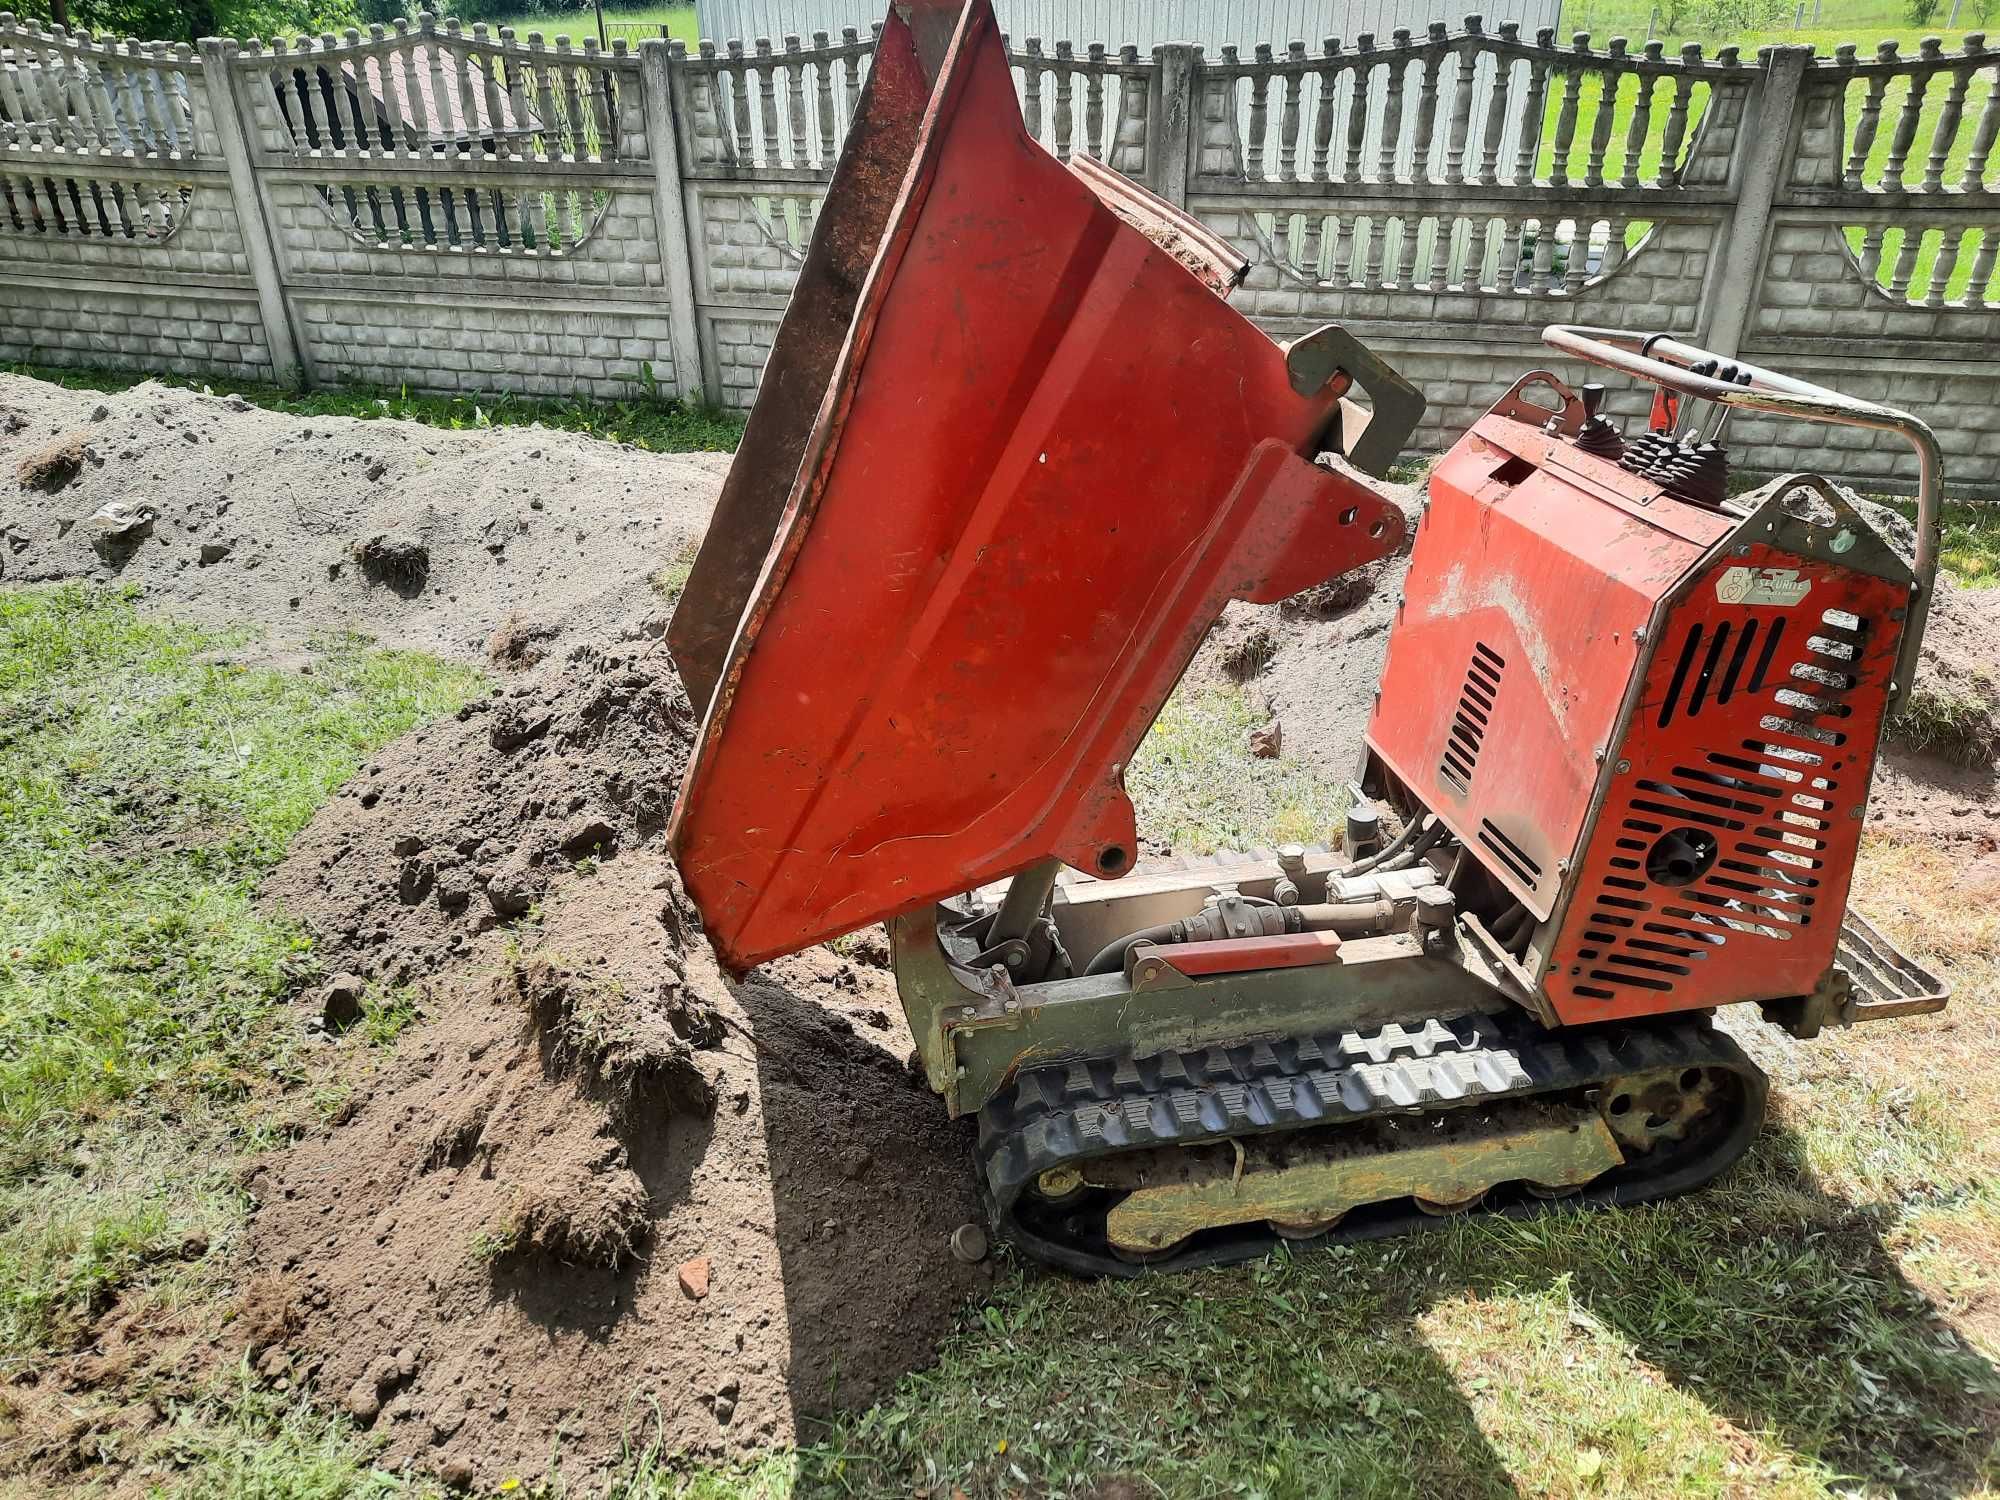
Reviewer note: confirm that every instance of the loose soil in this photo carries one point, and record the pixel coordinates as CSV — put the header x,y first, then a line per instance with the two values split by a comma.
x,y
600,1192
308,526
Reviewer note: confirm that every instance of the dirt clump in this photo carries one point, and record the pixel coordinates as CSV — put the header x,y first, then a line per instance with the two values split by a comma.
x,y
490,1254
400,563
52,466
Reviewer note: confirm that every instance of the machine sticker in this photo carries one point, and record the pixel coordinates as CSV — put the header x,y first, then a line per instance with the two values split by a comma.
x,y
1762,586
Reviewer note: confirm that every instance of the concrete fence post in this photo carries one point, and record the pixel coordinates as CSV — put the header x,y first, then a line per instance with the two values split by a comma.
x,y
670,217
1171,135
1763,149
246,194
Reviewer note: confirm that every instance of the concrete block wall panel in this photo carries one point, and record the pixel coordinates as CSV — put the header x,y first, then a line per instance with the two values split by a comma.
x,y
699,209
188,330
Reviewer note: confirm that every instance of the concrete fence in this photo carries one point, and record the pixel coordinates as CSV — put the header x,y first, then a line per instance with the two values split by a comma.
x,y
458,210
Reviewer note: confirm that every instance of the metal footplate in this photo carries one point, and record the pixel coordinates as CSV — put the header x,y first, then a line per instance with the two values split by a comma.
x,y
1113,1166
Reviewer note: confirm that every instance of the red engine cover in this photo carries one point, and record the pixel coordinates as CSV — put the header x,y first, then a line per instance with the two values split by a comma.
x,y
1682,845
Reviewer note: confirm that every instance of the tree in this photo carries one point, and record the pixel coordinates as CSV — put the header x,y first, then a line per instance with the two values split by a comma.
x,y
191,20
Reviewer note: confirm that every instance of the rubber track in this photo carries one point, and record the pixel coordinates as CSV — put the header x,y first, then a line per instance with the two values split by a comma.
x,y
1077,1111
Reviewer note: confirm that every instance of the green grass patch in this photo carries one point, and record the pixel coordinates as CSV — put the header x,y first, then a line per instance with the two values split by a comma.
x,y
653,423
1197,790
147,784
1969,547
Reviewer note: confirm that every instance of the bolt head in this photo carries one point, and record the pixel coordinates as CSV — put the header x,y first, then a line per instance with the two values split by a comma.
x,y
969,1243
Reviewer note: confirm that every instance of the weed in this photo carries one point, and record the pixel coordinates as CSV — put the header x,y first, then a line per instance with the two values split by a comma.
x,y
384,1017
670,580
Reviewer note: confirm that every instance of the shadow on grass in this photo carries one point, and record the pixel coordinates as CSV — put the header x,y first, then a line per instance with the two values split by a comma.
x,y
1566,1354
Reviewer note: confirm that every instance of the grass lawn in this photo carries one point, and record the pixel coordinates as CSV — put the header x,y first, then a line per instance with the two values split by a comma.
x,y
633,23
656,425
147,783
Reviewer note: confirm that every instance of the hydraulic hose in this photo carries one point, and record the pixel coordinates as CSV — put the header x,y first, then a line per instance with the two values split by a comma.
x,y
1111,958
1394,847
1416,851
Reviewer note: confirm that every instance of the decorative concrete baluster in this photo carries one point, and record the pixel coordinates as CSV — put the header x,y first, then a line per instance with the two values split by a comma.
x,y
1870,254
1950,247
1507,265
1031,87
1572,99
570,81
1392,118
1323,108
1614,248
90,134
738,72
55,64
1577,266
412,122
1869,122
795,99
1093,103
1527,158
1130,148
1312,245
1607,106
162,108
1361,89
1642,118
1677,116
32,113
826,144
360,136
441,132
1065,104
850,72
1378,244
1340,263
1983,136
1906,260
1459,141
1906,122
1288,121
1281,228
1472,275
545,98
1981,280
1260,84
1404,272
1945,132
1488,173
501,123
602,114
1542,269
1434,266
1427,108
465,90
767,105
517,97
132,79
13,105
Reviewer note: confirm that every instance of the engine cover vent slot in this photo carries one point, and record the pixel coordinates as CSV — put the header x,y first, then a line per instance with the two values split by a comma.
x,y
1471,719
1518,862
1717,662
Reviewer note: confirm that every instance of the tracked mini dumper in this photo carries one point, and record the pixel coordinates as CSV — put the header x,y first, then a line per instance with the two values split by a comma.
x,y
1012,454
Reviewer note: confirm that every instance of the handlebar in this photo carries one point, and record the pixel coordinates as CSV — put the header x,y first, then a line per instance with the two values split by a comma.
x,y
1664,361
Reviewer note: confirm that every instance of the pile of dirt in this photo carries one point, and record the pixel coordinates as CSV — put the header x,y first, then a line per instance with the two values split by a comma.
x,y
417,537
1314,661
606,1192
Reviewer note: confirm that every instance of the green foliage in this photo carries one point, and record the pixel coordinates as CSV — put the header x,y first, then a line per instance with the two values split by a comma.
x,y
1921,12
190,20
